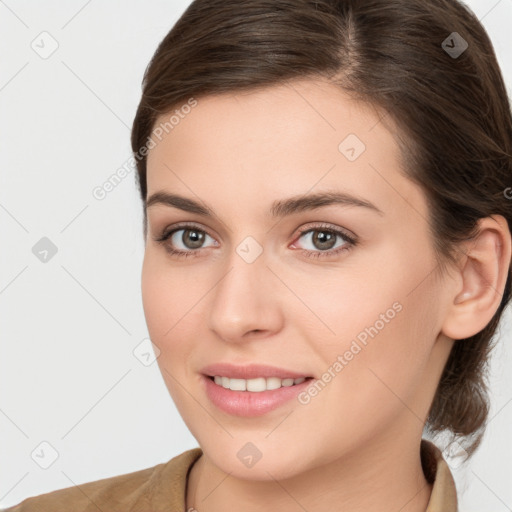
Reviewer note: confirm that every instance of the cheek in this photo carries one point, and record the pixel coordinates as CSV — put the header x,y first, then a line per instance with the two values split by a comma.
x,y
155,298
172,312
171,318
165,296
163,310
386,330
369,292
380,313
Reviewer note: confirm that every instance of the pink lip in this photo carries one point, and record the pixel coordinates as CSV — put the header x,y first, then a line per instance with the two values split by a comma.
x,y
248,403
251,371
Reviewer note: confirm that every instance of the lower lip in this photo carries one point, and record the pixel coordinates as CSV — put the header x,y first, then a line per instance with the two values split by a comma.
x,y
251,403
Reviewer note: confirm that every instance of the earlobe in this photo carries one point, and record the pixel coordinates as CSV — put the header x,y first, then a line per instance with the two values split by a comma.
x,y
484,271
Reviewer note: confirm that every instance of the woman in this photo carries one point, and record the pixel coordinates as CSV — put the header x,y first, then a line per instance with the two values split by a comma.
x,y
327,218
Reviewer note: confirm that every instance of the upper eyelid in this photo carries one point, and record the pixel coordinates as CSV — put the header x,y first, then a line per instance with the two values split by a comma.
x,y
309,225
185,226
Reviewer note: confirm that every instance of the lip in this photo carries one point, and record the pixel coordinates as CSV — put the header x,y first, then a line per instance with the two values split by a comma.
x,y
248,403
251,371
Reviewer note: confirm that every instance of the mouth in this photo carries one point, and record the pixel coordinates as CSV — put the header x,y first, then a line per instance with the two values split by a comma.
x,y
254,397
251,371
256,385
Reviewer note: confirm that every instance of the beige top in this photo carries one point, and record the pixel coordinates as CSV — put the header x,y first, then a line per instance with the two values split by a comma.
x,y
162,488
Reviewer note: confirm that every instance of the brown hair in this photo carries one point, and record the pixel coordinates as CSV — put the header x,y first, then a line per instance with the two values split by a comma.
x,y
452,112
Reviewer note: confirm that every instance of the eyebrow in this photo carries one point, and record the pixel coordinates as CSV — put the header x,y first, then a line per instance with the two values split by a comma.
x,y
279,208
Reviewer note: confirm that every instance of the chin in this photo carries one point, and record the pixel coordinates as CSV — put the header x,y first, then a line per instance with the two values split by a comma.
x,y
261,460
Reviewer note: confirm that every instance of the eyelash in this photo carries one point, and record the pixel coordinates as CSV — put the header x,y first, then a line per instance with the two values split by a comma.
x,y
350,241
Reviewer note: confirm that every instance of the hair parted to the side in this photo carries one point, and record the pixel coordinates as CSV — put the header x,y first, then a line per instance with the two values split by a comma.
x,y
453,119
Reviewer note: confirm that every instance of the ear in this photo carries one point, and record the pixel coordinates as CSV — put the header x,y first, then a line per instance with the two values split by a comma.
x,y
481,281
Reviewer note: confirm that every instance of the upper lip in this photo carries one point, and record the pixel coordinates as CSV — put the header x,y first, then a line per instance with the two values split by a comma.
x,y
251,371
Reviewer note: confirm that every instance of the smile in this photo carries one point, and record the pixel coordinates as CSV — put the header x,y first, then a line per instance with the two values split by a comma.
x,y
256,385
252,397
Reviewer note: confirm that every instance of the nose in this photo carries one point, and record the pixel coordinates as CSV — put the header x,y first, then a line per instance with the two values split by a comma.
x,y
244,303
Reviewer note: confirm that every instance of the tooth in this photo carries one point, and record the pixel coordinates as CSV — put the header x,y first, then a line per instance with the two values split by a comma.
x,y
257,385
237,384
273,382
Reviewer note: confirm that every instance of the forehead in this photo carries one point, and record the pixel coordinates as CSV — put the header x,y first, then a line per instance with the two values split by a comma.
x,y
296,115
280,141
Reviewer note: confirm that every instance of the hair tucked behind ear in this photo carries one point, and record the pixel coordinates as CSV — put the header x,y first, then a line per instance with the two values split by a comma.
x,y
452,113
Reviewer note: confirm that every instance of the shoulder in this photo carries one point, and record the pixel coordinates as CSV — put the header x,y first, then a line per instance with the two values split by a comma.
x,y
153,488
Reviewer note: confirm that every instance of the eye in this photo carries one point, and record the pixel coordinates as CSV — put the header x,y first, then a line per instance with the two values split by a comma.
x,y
324,238
188,236
192,239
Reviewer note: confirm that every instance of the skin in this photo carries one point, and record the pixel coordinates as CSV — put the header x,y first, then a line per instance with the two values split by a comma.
x,y
355,446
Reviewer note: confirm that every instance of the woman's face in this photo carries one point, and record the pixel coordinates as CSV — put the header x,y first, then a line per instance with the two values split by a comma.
x,y
265,284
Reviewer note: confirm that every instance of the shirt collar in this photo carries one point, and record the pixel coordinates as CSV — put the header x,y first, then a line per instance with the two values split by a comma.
x,y
437,472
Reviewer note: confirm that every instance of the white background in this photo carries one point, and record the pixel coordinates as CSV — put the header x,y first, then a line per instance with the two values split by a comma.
x,y
68,375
